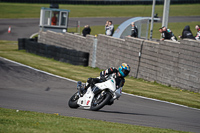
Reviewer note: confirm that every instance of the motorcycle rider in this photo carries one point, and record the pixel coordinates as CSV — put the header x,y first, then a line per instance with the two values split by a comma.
x,y
197,37
120,74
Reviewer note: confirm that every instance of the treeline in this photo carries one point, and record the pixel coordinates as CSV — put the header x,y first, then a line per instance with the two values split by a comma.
x,y
103,2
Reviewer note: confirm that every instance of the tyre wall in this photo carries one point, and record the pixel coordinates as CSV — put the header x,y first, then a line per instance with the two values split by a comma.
x,y
174,64
69,41
56,52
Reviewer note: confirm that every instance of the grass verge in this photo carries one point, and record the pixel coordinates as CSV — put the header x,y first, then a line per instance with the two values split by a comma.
x,y
14,121
9,49
22,10
176,28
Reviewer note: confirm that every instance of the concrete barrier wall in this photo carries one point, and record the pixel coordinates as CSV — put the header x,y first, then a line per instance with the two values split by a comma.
x,y
189,65
148,62
69,41
174,64
167,62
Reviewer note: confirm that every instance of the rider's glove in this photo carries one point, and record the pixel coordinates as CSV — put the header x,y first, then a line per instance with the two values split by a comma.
x,y
90,80
103,79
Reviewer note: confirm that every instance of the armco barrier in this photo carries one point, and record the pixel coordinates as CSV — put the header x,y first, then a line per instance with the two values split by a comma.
x,y
51,51
174,64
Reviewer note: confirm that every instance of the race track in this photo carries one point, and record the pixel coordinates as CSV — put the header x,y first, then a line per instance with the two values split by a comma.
x,y
24,28
24,88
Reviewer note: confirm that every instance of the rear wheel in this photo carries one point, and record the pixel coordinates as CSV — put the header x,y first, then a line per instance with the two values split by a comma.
x,y
73,101
100,100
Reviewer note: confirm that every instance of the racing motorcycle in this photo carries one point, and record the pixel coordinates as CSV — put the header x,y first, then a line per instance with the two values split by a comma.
x,y
97,96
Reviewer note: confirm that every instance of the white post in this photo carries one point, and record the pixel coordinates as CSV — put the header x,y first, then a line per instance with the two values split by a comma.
x,y
166,13
152,18
79,27
147,30
94,52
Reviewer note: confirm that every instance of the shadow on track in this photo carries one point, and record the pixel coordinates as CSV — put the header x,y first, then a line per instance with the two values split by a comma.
x,y
127,113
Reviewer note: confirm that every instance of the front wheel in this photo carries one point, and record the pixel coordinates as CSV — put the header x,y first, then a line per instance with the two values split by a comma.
x,y
100,100
73,101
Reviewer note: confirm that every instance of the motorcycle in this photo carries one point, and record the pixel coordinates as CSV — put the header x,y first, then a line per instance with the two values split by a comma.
x,y
96,97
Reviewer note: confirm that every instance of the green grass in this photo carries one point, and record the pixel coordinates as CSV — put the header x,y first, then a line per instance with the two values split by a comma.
x,y
8,49
95,30
176,28
12,121
25,121
23,10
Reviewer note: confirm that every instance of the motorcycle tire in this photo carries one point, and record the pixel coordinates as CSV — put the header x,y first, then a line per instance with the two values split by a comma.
x,y
72,103
106,99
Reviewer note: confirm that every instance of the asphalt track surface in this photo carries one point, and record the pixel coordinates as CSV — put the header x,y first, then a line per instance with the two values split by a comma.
x,y
23,88
24,28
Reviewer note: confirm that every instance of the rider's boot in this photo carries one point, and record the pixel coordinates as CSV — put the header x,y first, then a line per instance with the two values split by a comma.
x,y
80,88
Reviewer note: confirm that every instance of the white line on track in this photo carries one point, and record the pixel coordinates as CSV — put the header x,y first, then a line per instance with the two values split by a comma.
x,y
76,82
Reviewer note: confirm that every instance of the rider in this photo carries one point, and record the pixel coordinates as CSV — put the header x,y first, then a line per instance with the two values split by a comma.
x,y
120,73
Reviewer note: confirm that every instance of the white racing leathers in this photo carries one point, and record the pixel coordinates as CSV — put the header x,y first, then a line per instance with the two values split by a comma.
x,y
98,96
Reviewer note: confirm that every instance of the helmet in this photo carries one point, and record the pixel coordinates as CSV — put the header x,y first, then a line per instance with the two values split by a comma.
x,y
124,69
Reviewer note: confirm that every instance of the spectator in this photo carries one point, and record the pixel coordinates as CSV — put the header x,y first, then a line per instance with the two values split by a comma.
x,y
164,34
54,19
86,30
160,30
134,30
109,28
197,37
169,33
106,26
187,33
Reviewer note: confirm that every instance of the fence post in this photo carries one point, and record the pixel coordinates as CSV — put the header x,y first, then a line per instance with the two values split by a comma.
x,y
94,52
79,26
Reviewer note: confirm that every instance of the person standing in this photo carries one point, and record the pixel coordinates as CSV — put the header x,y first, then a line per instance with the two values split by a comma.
x,y
109,28
86,30
106,26
169,33
54,19
197,37
164,35
187,33
134,30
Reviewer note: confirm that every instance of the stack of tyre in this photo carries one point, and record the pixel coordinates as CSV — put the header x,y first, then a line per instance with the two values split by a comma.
x,y
71,56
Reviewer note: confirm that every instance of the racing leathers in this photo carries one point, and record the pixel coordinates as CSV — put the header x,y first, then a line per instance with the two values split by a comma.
x,y
118,78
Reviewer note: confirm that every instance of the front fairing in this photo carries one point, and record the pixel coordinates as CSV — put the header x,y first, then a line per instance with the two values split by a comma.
x,y
109,84
86,100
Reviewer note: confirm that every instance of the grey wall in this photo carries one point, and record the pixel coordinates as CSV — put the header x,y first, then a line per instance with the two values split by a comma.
x,y
174,64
